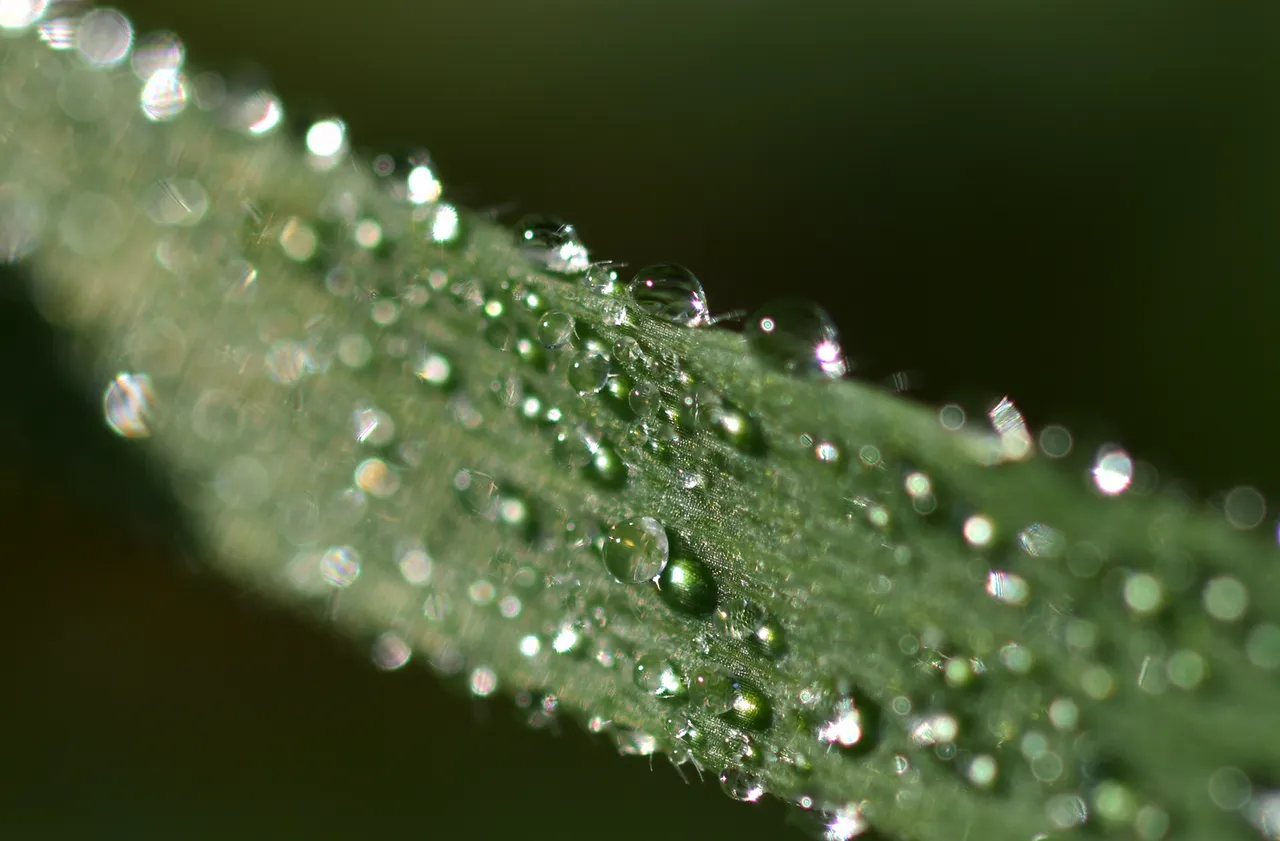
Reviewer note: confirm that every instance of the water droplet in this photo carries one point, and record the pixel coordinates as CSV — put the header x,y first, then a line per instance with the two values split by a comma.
x,y
1112,471
848,725
552,244
670,293
636,550
749,622
797,337
555,329
606,467
645,399
656,675
128,404
688,586
589,372
749,707
742,784
628,353
601,278
340,566
575,446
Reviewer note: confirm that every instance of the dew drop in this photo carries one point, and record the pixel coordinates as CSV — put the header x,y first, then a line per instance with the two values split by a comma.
x,y
128,404
589,372
601,278
846,725
555,329
797,337
636,550
340,566
552,244
742,784
749,707
688,586
671,293
656,675
645,399
748,622
606,467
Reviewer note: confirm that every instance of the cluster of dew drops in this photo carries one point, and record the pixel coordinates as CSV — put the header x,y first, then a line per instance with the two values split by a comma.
x,y
795,337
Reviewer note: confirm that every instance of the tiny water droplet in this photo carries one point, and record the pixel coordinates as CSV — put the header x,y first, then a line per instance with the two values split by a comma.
x,y
555,329
688,586
636,550
671,293
589,372
797,337
553,244
656,675
847,724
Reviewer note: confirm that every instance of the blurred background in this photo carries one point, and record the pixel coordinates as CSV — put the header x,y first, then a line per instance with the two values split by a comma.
x,y
1074,203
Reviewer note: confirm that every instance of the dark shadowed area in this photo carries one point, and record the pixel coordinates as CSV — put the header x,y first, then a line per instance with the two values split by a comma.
x,y
1076,204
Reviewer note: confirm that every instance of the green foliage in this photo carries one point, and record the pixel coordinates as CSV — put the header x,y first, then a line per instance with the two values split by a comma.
x,y
837,600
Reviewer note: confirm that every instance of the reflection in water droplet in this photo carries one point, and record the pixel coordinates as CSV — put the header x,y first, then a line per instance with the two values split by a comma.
x,y
1112,471
601,278
751,623
552,244
390,652
798,337
742,784
688,586
749,707
636,550
670,293
340,566
656,675
555,329
128,404
846,725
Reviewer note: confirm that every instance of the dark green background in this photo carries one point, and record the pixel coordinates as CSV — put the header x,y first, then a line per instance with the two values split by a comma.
x,y
1076,203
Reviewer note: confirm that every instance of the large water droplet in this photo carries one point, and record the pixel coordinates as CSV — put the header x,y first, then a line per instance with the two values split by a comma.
x,y
742,784
589,372
636,550
555,329
671,293
798,337
553,244
688,586
606,467
656,675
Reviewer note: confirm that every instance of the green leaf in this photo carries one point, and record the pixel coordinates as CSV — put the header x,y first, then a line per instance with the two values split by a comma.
x,y
698,543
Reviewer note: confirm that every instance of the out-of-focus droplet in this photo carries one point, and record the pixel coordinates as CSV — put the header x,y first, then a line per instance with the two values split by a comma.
x,y
104,37
1112,471
340,566
636,551
1245,507
1008,587
552,244
164,96
177,201
326,140
20,14
156,51
797,337
390,652
555,329
22,221
670,293
128,404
